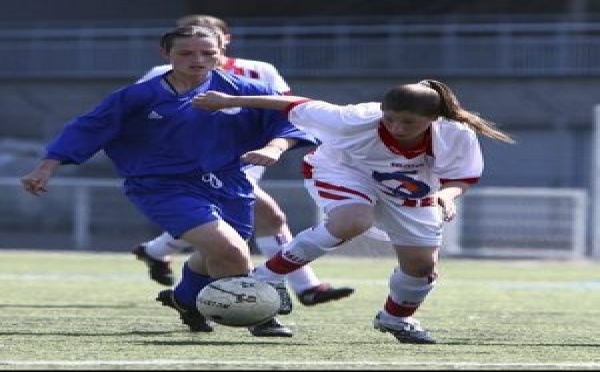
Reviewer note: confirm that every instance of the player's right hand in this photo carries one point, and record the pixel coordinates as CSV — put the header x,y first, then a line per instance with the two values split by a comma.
x,y
35,182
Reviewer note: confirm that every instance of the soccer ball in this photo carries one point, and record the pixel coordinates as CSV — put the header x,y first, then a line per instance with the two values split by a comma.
x,y
239,301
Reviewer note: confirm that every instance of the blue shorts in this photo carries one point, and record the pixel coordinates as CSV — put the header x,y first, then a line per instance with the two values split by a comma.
x,y
179,204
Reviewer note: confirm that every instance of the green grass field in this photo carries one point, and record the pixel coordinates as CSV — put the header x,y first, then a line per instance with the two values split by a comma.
x,y
70,310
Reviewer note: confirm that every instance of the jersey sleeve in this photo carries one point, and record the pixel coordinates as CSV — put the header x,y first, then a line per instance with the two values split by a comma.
x,y
322,118
458,155
84,136
275,80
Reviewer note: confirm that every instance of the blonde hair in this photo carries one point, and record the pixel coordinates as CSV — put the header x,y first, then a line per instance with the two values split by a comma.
x,y
432,98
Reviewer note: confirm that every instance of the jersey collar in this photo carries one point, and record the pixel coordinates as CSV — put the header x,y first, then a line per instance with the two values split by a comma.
x,y
390,142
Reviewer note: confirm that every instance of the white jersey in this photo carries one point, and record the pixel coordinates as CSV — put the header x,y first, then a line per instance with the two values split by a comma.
x,y
353,137
263,71
258,70
359,161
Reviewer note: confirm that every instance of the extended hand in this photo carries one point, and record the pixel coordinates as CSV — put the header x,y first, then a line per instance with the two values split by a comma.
x,y
35,182
211,100
266,156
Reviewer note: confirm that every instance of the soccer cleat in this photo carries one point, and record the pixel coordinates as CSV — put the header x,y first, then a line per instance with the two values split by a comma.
x,y
190,317
406,331
322,293
160,271
272,328
284,296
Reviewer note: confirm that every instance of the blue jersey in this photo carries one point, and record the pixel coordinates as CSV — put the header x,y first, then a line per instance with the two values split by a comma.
x,y
146,129
181,164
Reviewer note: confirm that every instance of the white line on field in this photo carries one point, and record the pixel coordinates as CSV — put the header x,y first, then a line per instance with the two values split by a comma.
x,y
169,362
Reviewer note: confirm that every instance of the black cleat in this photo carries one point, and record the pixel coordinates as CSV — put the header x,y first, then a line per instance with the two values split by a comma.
x,y
190,317
271,328
160,271
284,296
406,332
323,293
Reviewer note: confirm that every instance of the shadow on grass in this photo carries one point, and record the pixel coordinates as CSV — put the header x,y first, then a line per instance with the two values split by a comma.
x,y
547,344
65,306
251,341
91,334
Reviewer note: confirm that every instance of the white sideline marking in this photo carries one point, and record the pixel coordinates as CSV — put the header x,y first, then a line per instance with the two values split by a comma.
x,y
168,362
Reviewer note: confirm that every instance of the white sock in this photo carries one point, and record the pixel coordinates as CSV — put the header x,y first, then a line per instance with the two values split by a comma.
x,y
300,280
163,246
306,247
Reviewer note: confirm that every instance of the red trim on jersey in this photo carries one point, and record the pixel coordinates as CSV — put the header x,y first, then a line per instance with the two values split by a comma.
x,y
425,202
328,195
289,107
404,310
392,144
307,170
470,181
329,186
229,63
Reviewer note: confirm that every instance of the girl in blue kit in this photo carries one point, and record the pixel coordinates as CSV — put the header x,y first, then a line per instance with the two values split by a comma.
x,y
183,166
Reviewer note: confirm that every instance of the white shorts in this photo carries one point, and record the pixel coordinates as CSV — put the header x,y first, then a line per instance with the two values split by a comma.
x,y
412,222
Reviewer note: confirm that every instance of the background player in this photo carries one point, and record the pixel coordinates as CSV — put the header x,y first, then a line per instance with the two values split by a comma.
x,y
271,228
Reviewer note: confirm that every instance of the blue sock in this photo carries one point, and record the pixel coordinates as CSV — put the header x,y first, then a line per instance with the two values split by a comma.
x,y
189,286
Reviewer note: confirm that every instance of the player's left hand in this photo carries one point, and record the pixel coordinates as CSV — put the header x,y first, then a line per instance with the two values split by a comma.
x,y
265,156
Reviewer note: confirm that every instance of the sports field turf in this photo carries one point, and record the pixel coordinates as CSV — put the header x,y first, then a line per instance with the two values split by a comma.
x,y
75,310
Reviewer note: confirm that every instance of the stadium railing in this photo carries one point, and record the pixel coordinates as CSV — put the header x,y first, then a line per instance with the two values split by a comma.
x,y
84,213
447,49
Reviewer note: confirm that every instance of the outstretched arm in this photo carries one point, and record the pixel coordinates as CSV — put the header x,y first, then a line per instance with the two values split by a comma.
x,y
36,182
212,101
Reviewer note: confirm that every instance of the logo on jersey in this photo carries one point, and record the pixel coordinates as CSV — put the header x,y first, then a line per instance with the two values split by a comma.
x,y
154,115
401,185
231,110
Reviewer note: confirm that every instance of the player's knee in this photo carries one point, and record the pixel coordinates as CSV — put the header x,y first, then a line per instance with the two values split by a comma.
x,y
350,227
232,259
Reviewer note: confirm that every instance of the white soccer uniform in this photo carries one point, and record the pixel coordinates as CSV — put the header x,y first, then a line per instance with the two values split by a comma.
x,y
259,70
360,162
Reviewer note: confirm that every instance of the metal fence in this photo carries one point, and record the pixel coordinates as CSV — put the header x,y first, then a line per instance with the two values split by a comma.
x,y
454,49
93,214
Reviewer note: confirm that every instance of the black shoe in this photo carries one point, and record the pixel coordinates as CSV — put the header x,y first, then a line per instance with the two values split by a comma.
x,y
272,328
284,296
160,271
406,332
323,293
190,317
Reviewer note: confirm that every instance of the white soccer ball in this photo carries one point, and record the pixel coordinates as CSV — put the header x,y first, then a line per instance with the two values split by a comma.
x,y
238,301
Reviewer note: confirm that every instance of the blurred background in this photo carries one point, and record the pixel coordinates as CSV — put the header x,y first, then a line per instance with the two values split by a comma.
x,y
533,67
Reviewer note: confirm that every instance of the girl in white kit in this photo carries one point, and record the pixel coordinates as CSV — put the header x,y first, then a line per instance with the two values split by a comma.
x,y
398,165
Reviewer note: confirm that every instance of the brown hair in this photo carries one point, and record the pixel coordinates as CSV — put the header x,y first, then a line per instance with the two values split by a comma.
x,y
203,20
432,98
166,41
